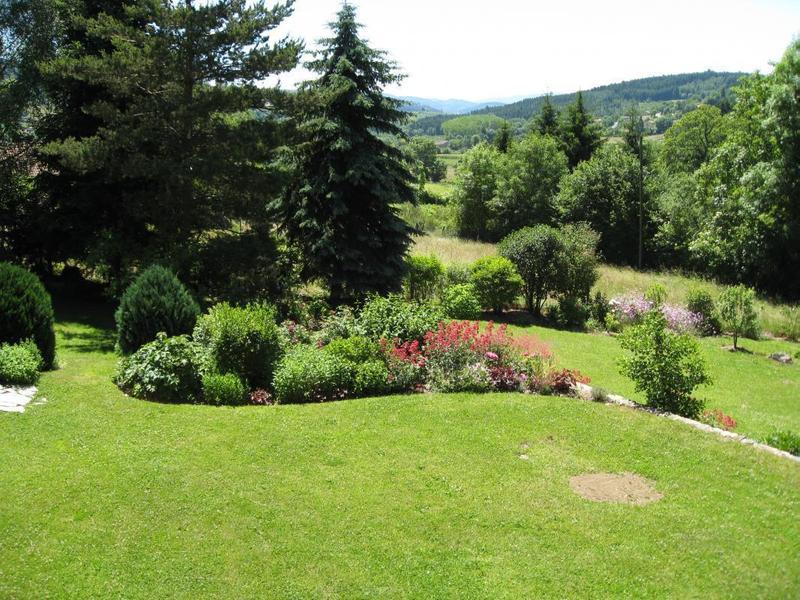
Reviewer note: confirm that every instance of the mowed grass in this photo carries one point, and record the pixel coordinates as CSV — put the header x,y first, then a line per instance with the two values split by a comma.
x,y
775,318
401,497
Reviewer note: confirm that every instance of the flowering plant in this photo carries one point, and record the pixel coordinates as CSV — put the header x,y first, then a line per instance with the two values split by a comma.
x,y
717,418
629,310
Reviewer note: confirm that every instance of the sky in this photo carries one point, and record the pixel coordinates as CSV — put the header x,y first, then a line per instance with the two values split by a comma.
x,y
506,49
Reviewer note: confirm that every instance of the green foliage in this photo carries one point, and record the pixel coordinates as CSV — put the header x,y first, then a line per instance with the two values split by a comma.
x,y
245,341
580,251
308,374
371,379
547,121
700,302
393,317
225,389
496,281
737,312
460,302
26,311
788,441
169,369
458,273
356,349
424,277
656,293
538,254
155,302
475,186
338,205
580,134
665,366
691,141
20,363
470,125
502,140
425,153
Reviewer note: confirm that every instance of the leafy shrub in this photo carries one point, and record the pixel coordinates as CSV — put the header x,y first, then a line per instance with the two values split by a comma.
x,y
405,364
356,350
656,294
308,374
666,366
20,363
738,313
457,274
424,277
791,326
244,341
599,307
701,303
580,252
169,369
26,311
341,323
461,302
225,389
787,441
371,378
571,312
496,282
393,317
155,302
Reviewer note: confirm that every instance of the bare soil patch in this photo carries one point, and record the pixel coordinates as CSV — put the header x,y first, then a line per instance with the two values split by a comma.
x,y
626,488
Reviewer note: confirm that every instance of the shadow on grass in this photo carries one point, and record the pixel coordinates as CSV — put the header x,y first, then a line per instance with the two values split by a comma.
x,y
97,340
95,318
522,318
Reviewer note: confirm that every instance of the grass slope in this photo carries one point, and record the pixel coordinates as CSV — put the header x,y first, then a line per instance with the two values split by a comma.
x,y
417,496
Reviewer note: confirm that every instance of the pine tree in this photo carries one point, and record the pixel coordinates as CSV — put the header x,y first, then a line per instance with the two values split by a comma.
x,y
160,131
580,134
546,121
633,136
338,211
503,138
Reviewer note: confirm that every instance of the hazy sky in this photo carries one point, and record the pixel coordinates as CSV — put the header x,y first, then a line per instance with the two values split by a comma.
x,y
478,50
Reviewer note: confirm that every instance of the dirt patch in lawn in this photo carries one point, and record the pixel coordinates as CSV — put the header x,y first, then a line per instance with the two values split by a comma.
x,y
626,488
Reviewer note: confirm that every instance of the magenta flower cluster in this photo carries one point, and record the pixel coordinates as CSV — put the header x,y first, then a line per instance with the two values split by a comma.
x,y
630,309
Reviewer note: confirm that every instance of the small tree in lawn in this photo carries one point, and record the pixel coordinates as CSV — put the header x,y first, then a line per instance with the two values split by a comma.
x,y
338,210
664,365
737,312
496,282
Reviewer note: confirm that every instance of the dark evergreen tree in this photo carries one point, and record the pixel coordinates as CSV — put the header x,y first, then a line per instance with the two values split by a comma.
x,y
339,209
503,138
160,132
546,122
633,136
581,135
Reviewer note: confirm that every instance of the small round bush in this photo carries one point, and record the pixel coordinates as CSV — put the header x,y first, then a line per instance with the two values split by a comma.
x,y
20,363
155,302
496,282
738,313
26,311
356,350
169,369
225,389
457,273
461,302
395,318
244,341
424,277
371,379
700,302
308,374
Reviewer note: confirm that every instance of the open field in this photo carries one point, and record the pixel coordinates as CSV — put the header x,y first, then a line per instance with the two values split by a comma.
x,y
411,496
615,281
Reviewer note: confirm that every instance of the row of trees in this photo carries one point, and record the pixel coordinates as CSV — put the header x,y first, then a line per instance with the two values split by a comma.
x,y
720,195
141,132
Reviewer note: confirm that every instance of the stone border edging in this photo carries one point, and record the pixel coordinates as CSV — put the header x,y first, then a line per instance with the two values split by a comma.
x,y
585,392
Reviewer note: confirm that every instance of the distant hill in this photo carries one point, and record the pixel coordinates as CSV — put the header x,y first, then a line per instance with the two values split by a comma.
x,y
452,107
665,97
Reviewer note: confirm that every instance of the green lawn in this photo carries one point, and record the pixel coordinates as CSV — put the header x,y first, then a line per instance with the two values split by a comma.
x,y
761,394
414,496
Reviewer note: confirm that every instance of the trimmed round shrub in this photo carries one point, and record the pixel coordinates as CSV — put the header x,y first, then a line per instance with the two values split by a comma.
x,y
393,317
496,282
461,302
155,302
169,369
26,311
700,302
245,341
20,363
424,277
371,379
226,389
356,349
308,374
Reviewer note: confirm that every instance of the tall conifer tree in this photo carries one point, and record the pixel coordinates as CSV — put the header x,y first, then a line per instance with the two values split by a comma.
x,y
546,121
338,211
580,134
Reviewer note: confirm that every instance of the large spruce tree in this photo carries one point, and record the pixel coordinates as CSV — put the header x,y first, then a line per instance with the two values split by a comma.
x,y
160,132
580,134
339,209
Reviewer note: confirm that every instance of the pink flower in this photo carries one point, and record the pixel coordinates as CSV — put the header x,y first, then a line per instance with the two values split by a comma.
x,y
491,356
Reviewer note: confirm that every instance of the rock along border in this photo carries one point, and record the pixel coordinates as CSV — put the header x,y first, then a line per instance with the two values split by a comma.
x,y
584,391
16,398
